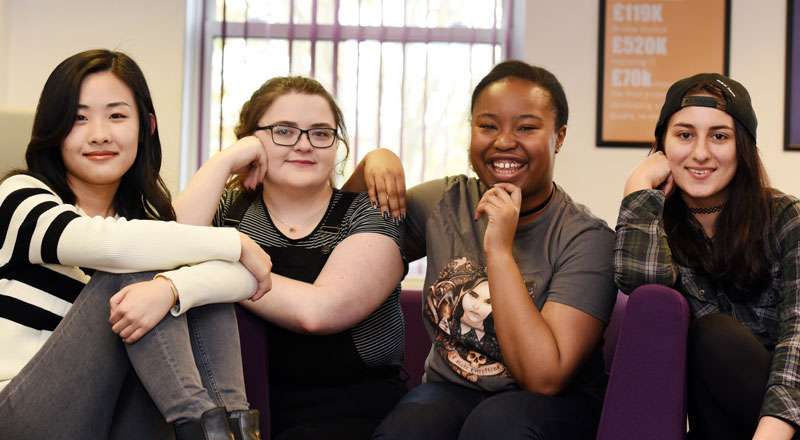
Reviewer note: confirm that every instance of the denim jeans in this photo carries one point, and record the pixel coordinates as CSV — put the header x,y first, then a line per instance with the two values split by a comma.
x,y
72,388
444,410
136,416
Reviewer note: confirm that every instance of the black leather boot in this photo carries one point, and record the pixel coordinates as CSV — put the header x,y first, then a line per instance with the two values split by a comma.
x,y
245,424
213,425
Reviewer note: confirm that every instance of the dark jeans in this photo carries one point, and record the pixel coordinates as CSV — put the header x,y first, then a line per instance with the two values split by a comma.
x,y
349,411
444,410
727,374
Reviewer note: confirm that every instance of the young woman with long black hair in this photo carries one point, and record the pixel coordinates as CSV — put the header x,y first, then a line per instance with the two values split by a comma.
x,y
699,216
75,351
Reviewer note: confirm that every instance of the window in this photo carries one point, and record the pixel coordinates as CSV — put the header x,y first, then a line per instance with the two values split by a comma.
x,y
402,71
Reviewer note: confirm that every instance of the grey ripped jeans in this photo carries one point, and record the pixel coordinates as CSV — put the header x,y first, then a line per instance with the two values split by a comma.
x,y
80,384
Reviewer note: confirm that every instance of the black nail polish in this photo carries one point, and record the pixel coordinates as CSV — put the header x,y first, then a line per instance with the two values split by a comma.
x,y
386,215
402,217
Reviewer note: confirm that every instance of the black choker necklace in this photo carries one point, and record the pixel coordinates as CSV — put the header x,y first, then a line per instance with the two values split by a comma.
x,y
710,210
541,206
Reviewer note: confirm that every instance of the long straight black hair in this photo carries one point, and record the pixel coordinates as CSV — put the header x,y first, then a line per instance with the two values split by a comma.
x,y
142,193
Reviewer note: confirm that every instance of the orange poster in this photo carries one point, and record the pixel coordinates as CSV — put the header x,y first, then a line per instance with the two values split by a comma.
x,y
645,47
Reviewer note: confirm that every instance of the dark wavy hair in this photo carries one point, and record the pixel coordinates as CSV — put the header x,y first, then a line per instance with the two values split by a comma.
x,y
537,75
742,252
141,194
262,99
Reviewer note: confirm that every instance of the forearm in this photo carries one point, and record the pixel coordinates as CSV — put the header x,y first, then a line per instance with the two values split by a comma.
x,y
198,202
782,396
356,182
772,428
362,271
634,267
529,347
312,309
641,252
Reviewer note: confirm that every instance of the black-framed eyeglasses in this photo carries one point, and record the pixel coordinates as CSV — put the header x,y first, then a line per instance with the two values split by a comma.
x,y
288,136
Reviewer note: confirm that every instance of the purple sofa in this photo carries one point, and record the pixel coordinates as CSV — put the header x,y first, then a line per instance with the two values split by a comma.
x,y
644,351
253,337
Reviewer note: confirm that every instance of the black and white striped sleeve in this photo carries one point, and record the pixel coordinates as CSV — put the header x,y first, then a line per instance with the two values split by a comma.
x,y
364,218
32,219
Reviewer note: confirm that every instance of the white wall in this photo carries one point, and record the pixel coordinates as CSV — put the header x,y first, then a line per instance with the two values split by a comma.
x,y
4,25
562,37
559,35
35,35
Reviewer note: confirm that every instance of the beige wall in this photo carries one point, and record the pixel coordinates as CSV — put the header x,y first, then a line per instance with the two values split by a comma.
x,y
35,35
4,24
560,35
15,132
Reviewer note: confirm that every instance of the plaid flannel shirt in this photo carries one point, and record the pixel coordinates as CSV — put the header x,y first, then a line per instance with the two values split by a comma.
x,y
642,256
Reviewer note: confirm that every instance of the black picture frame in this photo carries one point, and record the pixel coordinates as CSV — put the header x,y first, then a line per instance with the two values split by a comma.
x,y
792,122
605,139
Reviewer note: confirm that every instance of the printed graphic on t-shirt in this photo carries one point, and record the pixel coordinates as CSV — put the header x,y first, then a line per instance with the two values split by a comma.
x,y
460,307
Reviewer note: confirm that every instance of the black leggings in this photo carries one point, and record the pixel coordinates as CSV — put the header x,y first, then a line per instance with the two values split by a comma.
x,y
727,374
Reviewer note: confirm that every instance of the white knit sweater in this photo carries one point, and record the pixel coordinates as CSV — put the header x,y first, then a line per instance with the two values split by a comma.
x,y
44,243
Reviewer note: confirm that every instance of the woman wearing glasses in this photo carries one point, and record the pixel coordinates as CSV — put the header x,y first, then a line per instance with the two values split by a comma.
x,y
335,323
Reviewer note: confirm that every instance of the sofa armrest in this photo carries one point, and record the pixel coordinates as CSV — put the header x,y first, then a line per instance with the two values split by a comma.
x,y
418,343
646,395
253,339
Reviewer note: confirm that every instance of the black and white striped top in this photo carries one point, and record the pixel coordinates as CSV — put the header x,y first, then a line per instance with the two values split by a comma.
x,y
379,339
44,242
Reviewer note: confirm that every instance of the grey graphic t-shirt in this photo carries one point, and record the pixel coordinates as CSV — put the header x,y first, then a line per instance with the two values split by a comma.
x,y
564,256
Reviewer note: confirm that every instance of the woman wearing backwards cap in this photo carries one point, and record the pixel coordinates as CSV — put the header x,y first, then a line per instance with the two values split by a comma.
x,y
699,216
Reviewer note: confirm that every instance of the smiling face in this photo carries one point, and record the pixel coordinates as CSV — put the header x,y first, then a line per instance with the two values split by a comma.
x,y
477,305
514,138
700,145
104,139
299,166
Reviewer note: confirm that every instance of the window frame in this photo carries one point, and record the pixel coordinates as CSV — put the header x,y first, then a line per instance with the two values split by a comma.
x,y
202,28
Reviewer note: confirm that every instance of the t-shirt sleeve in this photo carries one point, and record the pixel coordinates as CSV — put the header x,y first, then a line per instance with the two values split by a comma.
x,y
365,218
583,276
420,202
225,202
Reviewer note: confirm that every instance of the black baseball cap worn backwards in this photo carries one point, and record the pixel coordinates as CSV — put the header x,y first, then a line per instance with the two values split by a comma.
x,y
737,100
